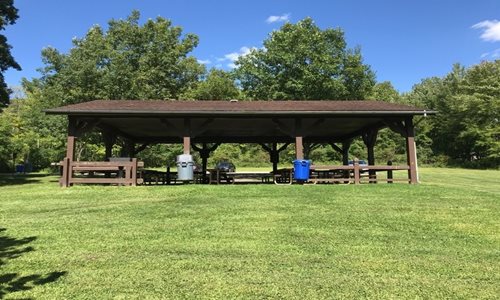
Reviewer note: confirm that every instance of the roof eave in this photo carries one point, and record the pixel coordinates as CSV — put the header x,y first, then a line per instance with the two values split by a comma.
x,y
231,113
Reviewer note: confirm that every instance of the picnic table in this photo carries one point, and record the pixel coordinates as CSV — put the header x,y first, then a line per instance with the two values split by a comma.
x,y
217,176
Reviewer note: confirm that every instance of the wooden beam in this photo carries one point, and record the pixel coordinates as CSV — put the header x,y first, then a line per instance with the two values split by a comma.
x,y
345,151
360,132
283,147
128,149
397,126
140,148
299,148
187,136
313,126
370,139
205,151
85,125
117,132
66,169
202,128
187,144
411,151
336,148
70,147
283,127
171,125
109,140
266,147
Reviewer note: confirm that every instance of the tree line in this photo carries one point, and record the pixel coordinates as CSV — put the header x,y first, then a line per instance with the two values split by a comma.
x,y
299,61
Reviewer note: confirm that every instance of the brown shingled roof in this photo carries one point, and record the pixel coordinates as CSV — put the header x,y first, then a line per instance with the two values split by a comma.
x,y
125,107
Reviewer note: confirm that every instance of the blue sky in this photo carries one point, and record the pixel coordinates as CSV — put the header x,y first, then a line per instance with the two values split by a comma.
x,y
403,41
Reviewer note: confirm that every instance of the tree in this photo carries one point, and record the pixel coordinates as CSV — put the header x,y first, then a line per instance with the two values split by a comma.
x,y
8,16
218,85
128,61
385,91
301,61
466,130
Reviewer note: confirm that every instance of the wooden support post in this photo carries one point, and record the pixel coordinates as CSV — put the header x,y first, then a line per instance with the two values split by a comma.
x,y
187,145
371,162
66,164
299,148
70,147
299,145
187,136
275,157
168,175
204,154
356,171
274,153
108,152
70,153
345,157
134,172
370,138
345,151
109,141
389,173
411,151
130,149
205,151
204,163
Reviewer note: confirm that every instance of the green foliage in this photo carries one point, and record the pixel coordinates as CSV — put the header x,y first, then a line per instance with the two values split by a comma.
x,y
467,128
298,61
301,62
161,155
128,61
217,85
8,16
384,91
27,135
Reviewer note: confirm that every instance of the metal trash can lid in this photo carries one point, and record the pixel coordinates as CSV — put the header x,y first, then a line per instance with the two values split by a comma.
x,y
184,158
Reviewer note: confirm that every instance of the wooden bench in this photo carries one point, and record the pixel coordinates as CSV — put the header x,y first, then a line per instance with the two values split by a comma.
x,y
112,172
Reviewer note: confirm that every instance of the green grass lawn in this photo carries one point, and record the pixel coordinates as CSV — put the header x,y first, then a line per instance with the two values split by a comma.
x,y
439,239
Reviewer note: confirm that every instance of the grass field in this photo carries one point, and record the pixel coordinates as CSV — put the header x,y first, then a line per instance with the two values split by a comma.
x,y
439,239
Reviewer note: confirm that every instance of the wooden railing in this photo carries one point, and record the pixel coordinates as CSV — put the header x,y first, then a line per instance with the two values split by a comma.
x,y
344,174
354,173
116,172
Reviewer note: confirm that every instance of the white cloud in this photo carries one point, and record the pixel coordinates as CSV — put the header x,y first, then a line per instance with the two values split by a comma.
x,y
233,56
274,19
495,54
491,30
204,61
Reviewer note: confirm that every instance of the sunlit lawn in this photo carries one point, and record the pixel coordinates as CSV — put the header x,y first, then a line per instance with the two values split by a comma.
x,y
439,239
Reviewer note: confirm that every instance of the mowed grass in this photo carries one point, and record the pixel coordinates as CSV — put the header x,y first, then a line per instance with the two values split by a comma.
x,y
439,239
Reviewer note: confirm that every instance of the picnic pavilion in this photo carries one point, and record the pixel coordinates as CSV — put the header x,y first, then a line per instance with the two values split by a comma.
x,y
203,125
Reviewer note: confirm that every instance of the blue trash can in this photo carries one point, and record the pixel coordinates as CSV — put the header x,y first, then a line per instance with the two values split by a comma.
x,y
19,168
301,169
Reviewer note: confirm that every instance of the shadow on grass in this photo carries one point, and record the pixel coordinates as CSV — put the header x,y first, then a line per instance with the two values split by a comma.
x,y
11,248
18,179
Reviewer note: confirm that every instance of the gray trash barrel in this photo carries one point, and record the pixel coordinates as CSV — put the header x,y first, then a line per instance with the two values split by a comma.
x,y
185,167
